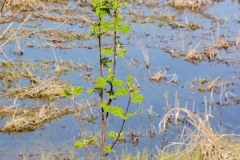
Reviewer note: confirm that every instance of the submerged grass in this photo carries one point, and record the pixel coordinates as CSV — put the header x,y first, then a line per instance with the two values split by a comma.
x,y
24,120
46,88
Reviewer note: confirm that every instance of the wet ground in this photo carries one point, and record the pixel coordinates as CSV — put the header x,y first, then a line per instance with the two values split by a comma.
x,y
188,48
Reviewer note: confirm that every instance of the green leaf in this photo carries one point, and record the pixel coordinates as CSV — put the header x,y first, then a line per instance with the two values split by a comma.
x,y
103,104
100,83
66,93
106,25
102,11
90,91
116,111
122,52
77,90
130,115
106,62
92,140
107,51
108,149
117,82
110,75
137,98
124,28
112,134
80,144
121,91
117,21
73,91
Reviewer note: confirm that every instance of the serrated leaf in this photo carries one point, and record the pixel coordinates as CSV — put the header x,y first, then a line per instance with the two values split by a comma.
x,y
102,11
106,25
80,144
66,93
108,149
106,62
121,91
107,51
117,82
112,134
77,90
100,83
122,52
117,21
137,98
116,111
110,74
124,28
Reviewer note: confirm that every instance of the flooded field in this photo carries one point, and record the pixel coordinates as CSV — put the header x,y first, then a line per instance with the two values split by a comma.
x,y
183,55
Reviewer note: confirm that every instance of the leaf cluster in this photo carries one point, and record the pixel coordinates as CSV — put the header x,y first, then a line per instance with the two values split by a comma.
x,y
85,143
72,91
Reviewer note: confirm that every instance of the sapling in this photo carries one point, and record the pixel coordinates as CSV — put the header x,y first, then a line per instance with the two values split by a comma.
x,y
107,85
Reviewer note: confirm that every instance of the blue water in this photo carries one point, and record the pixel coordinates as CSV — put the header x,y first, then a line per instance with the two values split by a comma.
x,y
58,136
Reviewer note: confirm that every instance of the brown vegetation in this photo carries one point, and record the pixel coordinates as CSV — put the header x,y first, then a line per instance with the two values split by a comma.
x,y
24,120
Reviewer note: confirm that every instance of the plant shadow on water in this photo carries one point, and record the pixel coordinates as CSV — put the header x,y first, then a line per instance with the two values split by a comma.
x,y
183,57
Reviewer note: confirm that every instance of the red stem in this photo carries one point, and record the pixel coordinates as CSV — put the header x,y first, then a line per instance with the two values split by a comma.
x,y
123,122
101,95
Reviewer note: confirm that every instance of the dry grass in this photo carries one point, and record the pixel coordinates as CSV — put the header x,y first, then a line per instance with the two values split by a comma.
x,y
26,5
24,120
145,53
210,51
156,77
198,140
39,88
191,4
212,84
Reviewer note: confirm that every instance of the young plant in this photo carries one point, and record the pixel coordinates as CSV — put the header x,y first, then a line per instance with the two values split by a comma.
x,y
107,85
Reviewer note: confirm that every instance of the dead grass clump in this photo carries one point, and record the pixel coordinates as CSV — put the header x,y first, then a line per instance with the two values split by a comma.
x,y
9,111
24,120
46,89
172,21
62,35
158,76
194,55
196,5
23,5
212,84
223,44
193,25
162,75
198,141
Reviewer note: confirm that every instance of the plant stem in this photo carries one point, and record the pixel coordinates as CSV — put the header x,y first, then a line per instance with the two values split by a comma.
x,y
101,93
114,63
115,47
123,122
82,127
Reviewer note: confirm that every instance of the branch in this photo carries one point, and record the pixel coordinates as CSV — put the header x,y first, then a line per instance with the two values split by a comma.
x,y
123,122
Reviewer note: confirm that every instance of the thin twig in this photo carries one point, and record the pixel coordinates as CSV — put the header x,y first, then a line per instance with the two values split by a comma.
x,y
83,128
